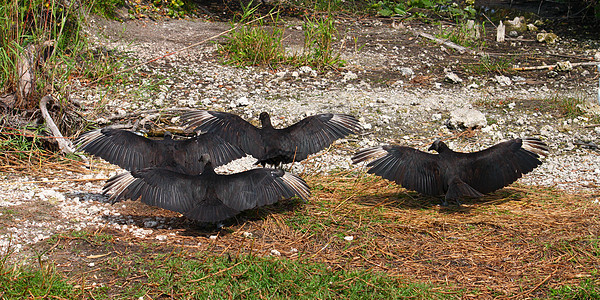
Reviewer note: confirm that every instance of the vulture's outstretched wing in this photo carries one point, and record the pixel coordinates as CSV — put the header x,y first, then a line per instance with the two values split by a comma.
x,y
314,133
259,187
230,127
411,168
134,152
206,198
500,165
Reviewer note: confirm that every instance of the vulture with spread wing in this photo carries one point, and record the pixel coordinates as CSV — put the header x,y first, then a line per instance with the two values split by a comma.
x,y
270,145
132,152
455,174
208,197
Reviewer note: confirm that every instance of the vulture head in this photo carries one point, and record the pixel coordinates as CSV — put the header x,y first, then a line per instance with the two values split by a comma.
x,y
265,119
439,146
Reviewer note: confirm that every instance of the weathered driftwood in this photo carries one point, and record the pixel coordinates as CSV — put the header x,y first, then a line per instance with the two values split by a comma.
x,y
550,67
500,33
450,44
26,64
65,145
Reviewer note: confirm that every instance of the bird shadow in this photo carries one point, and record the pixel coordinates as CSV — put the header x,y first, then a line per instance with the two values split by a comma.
x,y
414,200
138,214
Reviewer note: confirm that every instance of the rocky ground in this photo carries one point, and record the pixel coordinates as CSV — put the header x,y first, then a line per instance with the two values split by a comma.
x,y
396,82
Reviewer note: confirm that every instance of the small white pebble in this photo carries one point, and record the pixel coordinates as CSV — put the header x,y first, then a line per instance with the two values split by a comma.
x,y
348,238
91,264
275,252
213,237
161,237
247,234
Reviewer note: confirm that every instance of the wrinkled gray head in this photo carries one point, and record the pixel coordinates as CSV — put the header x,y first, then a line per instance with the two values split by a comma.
x,y
265,119
438,146
205,159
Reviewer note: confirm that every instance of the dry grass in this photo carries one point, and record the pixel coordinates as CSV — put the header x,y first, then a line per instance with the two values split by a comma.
x,y
516,243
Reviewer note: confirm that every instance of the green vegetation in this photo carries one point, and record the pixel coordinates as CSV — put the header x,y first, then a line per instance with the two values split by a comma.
x,y
255,43
570,106
50,33
319,35
417,8
25,282
197,276
588,289
258,40
464,34
488,64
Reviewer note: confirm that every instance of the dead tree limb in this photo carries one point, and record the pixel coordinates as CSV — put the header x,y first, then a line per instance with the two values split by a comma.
x,y
65,145
550,67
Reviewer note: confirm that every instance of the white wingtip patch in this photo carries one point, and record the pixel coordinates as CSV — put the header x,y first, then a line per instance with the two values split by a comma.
x,y
536,146
347,121
196,118
87,138
297,185
367,154
117,185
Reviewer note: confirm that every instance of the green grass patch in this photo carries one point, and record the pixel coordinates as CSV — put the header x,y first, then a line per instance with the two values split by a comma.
x,y
255,43
487,64
258,40
247,276
588,289
424,8
196,276
33,282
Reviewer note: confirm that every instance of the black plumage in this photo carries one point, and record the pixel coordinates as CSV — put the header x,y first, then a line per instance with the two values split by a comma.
x,y
208,197
133,152
270,145
455,174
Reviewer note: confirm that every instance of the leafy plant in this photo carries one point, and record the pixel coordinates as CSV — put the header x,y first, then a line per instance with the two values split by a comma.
x,y
488,64
319,34
466,34
388,8
254,44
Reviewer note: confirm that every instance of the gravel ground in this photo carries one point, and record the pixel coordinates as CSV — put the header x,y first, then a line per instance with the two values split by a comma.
x,y
393,107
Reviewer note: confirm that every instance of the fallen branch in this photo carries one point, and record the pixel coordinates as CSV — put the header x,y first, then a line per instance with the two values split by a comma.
x,y
56,181
150,111
551,67
450,44
65,145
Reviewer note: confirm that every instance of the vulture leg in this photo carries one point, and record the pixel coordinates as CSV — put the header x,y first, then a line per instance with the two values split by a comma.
x,y
459,189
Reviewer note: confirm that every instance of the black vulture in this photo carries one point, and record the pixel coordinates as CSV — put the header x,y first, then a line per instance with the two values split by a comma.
x,y
452,173
132,152
208,197
270,145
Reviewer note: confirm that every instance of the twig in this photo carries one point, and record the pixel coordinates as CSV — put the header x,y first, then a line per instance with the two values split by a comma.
x,y
535,287
587,63
64,144
177,51
55,181
216,273
150,111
